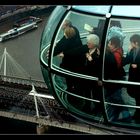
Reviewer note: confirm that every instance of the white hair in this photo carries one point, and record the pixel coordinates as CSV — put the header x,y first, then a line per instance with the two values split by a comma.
x,y
94,39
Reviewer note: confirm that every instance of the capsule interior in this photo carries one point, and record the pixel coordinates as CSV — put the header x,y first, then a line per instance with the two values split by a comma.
x,y
97,94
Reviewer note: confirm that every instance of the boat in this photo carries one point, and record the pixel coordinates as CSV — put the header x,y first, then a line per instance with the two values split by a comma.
x,y
24,21
12,33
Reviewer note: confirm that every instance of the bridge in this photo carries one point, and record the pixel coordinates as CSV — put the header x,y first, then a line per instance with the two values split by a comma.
x,y
19,103
32,103
23,98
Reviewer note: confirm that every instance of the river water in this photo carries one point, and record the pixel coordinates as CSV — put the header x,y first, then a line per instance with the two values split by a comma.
x,y
24,49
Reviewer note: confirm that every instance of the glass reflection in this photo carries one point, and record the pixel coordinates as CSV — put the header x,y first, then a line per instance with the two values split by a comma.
x,y
77,62
76,42
78,100
120,106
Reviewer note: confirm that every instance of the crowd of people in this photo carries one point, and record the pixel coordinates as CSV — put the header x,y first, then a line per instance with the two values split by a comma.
x,y
85,59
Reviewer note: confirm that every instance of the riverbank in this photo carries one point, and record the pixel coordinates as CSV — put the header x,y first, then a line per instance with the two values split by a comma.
x,y
21,13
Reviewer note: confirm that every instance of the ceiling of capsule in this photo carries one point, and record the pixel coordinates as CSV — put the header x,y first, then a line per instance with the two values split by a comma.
x,y
128,11
93,9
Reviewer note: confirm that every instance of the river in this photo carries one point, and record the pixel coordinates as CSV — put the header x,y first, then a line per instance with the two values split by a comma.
x,y
24,49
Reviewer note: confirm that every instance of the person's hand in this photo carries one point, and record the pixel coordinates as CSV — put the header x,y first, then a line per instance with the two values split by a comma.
x,y
88,56
61,54
134,66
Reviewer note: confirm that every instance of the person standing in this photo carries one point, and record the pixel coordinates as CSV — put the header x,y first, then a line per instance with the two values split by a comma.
x,y
73,59
113,70
91,87
69,49
133,58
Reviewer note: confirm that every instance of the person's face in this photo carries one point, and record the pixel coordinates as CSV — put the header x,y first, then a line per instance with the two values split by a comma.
x,y
90,45
110,46
133,45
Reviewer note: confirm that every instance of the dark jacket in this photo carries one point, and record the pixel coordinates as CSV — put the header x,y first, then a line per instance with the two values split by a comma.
x,y
92,67
74,54
111,69
134,73
61,44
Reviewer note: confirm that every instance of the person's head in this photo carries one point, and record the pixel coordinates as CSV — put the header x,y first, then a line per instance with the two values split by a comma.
x,y
116,32
113,43
69,32
135,40
92,41
67,23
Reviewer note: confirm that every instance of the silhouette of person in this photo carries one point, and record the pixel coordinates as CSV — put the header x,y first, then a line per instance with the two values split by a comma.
x,y
73,59
92,69
113,69
133,58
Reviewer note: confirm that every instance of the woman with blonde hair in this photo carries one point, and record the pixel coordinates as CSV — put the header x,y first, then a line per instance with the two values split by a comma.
x,y
73,57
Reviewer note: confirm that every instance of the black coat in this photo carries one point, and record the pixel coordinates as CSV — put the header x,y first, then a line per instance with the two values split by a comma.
x,y
92,67
111,70
134,73
74,54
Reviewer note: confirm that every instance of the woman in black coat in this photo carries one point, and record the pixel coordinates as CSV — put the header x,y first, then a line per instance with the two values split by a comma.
x,y
92,65
73,59
71,50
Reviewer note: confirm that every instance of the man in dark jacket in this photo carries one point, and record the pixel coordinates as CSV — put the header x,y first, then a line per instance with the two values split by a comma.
x,y
133,58
113,70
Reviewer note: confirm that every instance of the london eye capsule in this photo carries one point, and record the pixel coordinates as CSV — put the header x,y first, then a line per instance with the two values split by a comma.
x,y
90,62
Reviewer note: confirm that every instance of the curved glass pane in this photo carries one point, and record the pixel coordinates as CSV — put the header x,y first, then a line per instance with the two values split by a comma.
x,y
121,107
51,25
46,40
80,99
119,48
79,54
128,11
121,65
97,9
48,33
76,84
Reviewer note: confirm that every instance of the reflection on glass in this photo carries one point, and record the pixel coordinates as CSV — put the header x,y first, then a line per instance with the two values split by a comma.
x,y
79,99
94,9
121,62
73,49
113,66
75,67
120,105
